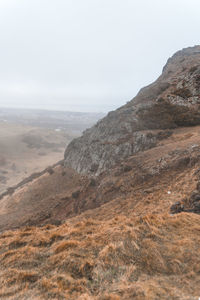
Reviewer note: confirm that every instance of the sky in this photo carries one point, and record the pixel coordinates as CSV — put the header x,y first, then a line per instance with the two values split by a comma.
x,y
88,55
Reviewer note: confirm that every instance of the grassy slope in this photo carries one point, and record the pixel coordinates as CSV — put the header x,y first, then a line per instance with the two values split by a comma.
x,y
150,257
129,248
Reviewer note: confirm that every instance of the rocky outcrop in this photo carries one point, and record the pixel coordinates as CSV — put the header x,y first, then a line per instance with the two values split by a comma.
x,y
191,204
171,101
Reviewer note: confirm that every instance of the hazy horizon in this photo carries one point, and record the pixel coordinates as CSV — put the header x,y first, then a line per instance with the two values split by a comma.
x,y
89,56
53,109
60,108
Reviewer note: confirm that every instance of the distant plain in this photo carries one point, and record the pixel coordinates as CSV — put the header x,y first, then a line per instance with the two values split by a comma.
x,y
31,140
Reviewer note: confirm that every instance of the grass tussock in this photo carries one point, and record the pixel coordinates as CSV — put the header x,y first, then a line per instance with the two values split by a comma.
x,y
65,245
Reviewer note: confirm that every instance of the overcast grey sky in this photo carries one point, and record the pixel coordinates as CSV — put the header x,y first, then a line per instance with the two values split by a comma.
x,y
88,55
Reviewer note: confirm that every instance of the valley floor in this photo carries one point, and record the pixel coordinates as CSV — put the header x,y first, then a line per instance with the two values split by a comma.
x,y
25,149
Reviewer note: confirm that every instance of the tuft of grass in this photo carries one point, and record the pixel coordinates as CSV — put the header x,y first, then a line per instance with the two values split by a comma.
x,y
66,245
27,276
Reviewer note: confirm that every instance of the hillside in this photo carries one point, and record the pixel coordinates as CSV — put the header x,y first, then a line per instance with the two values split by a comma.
x,y
127,228
128,248
171,101
61,192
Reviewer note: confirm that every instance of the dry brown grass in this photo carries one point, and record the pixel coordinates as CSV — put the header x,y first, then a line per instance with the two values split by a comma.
x,y
65,245
150,257
129,248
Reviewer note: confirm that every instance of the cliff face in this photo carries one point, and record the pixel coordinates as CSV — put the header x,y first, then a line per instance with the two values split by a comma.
x,y
173,100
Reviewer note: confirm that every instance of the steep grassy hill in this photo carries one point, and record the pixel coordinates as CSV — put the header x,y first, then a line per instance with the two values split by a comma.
x,y
129,229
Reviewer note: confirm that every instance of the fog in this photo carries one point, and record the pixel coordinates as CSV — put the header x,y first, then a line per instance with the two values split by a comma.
x,y
91,55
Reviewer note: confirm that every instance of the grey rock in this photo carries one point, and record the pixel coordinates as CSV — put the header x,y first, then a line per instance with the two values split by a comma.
x,y
171,101
198,186
195,196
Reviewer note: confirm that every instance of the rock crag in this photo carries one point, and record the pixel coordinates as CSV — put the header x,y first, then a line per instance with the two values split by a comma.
x,y
173,100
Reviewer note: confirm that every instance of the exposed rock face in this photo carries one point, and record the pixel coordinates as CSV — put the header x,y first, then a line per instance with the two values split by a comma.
x,y
171,101
191,204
